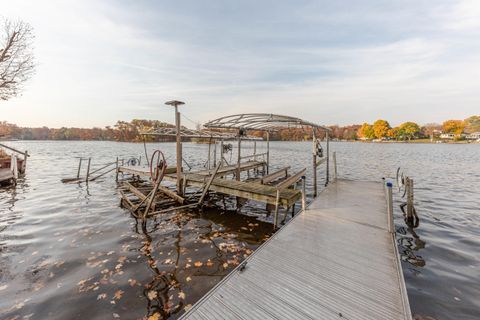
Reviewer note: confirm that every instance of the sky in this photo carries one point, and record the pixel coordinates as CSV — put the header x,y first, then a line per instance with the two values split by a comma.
x,y
330,62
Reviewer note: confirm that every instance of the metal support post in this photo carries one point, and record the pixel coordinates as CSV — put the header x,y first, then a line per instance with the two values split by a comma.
x,y
328,159
391,228
304,196
88,169
79,167
334,165
314,153
268,152
239,155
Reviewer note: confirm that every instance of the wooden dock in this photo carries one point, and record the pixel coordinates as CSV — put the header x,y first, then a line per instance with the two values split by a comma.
x,y
273,189
335,260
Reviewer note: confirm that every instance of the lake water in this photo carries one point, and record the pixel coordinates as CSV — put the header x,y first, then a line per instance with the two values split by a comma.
x,y
68,251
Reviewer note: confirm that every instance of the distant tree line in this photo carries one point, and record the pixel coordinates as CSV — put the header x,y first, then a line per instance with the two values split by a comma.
x,y
130,131
121,131
381,129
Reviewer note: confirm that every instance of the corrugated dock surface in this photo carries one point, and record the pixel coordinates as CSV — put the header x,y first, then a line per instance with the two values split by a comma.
x,y
336,260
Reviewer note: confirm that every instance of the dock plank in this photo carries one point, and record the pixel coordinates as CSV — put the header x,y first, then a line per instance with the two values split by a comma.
x,y
334,260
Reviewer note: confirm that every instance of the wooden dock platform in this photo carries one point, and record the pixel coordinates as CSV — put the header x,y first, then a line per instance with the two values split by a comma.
x,y
335,260
252,190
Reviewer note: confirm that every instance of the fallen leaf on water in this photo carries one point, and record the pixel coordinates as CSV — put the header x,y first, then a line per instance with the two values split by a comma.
x,y
181,295
101,296
188,279
19,305
152,294
118,294
3,287
155,316
115,315
34,253
122,259
198,264
132,282
109,253
188,265
82,282
225,265
187,307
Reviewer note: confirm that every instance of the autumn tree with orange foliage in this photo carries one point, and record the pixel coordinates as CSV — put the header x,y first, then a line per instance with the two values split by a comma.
x,y
453,126
366,131
380,129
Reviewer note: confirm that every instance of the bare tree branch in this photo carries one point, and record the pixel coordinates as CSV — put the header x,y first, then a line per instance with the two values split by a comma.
x,y
16,57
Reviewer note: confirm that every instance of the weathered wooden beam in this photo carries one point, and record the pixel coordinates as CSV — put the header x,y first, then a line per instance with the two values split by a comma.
x,y
171,194
207,186
135,191
274,175
291,180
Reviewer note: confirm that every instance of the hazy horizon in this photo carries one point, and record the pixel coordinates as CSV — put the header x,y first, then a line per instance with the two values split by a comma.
x,y
328,62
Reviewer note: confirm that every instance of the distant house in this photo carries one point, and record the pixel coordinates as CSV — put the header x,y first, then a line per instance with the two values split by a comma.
x,y
473,136
449,136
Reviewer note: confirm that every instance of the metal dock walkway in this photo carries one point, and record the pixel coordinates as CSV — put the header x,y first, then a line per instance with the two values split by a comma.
x,y
336,260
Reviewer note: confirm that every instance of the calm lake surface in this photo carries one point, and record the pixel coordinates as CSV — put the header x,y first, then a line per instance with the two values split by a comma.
x,y
68,251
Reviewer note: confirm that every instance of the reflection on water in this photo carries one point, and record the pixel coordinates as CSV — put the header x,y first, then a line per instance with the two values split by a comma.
x,y
68,251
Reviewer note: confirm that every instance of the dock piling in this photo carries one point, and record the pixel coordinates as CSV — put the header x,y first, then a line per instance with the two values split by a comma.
x,y
334,155
239,154
275,222
88,169
79,167
314,153
304,198
268,151
410,209
391,228
328,159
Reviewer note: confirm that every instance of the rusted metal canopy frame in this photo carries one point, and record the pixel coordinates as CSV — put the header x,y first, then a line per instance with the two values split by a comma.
x,y
188,133
270,123
261,121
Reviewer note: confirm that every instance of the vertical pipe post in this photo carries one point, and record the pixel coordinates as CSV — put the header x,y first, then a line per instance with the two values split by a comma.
x,y
24,166
268,152
209,152
221,152
79,167
328,159
88,169
140,160
215,154
116,170
334,165
277,200
179,151
314,153
409,186
254,150
239,155
390,208
14,166
304,197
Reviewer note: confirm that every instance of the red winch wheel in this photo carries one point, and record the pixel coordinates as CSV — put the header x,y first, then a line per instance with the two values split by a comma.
x,y
158,166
